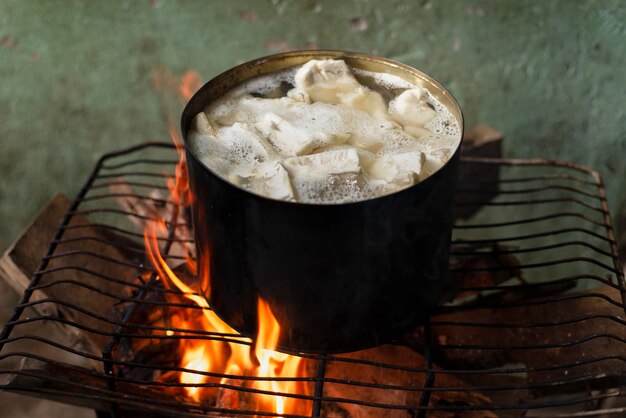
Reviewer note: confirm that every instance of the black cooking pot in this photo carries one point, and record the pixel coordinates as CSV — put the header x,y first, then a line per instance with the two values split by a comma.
x,y
338,277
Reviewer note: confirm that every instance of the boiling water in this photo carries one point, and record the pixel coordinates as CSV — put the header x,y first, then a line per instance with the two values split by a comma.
x,y
325,133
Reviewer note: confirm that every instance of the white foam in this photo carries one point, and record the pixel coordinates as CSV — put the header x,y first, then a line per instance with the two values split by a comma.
x,y
264,84
238,149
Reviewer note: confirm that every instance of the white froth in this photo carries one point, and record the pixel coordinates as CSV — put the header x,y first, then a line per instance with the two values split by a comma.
x,y
264,84
247,140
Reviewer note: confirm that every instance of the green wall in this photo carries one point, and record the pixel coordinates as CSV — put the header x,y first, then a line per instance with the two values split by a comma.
x,y
78,77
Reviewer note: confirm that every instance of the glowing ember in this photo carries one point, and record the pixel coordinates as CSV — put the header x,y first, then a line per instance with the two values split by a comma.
x,y
226,352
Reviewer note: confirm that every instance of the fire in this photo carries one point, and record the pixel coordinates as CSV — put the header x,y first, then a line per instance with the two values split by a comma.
x,y
180,194
189,84
195,359
166,82
228,353
273,363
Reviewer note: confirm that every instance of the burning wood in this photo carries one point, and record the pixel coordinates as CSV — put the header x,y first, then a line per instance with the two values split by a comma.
x,y
384,385
229,398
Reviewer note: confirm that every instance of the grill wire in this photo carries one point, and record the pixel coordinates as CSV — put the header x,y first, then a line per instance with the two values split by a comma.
x,y
537,327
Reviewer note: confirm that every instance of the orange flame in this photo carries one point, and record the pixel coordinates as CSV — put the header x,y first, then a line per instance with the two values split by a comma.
x,y
195,359
184,86
180,194
190,83
217,355
275,364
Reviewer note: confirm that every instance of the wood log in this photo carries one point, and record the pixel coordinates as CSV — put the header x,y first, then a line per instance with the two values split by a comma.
x,y
482,271
587,327
404,397
82,387
22,259
36,378
65,279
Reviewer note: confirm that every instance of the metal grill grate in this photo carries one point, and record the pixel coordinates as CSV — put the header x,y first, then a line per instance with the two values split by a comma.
x,y
537,324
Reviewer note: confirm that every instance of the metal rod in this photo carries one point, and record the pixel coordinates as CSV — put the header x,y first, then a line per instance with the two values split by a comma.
x,y
151,186
320,372
610,234
530,220
486,191
149,161
531,236
125,213
529,179
529,202
95,225
429,381
458,251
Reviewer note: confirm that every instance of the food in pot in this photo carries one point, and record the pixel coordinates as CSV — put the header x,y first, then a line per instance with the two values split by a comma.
x,y
325,133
